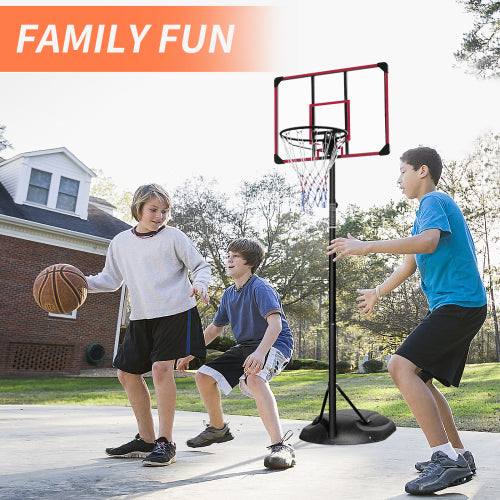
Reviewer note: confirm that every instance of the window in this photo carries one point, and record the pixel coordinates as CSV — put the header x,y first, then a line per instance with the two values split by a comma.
x,y
38,189
68,194
70,315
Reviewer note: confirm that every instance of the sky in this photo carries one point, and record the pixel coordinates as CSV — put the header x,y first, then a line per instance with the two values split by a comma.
x,y
169,127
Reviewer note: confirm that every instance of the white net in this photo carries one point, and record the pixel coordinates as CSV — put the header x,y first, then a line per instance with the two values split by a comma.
x,y
312,151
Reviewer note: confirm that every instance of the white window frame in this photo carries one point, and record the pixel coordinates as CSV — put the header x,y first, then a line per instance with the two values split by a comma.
x,y
59,192
48,188
70,315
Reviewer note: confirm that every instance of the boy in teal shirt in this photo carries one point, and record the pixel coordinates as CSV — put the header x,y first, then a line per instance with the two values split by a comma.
x,y
442,248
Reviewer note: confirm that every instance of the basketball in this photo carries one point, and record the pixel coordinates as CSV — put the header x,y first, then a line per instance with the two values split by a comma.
x,y
60,289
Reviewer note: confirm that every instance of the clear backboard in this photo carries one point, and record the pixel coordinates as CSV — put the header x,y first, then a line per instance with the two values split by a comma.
x,y
354,99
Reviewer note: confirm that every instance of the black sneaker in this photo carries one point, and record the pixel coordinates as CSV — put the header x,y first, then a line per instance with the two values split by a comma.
x,y
209,436
137,448
282,455
163,454
420,466
441,473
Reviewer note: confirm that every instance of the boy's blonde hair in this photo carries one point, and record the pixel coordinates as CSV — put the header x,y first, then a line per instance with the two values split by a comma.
x,y
144,194
251,250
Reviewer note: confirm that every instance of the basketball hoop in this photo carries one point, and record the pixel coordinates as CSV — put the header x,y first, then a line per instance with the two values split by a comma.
x,y
312,151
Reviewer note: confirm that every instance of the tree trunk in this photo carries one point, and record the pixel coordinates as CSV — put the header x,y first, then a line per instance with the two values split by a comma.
x,y
492,294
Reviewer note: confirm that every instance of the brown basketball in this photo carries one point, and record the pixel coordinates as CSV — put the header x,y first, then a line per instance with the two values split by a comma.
x,y
60,289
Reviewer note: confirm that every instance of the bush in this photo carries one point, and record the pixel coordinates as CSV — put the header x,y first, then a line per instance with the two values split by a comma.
x,y
212,354
222,343
197,362
343,367
306,364
373,366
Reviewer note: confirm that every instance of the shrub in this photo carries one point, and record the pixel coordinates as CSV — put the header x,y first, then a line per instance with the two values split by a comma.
x,y
373,366
306,364
212,354
222,343
197,362
343,367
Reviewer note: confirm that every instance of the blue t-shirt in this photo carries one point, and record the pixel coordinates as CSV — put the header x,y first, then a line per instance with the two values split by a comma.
x,y
247,309
449,275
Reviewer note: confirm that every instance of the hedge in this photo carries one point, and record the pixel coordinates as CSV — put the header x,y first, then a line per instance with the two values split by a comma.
x,y
344,367
222,343
373,366
306,364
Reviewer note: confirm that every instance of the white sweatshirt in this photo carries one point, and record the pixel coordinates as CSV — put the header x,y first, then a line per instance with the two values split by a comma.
x,y
155,271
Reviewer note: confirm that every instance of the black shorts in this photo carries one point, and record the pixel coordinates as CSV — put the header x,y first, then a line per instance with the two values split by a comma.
x,y
160,339
440,343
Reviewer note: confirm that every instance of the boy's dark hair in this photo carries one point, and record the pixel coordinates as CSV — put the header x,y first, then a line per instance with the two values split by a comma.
x,y
144,194
251,250
424,156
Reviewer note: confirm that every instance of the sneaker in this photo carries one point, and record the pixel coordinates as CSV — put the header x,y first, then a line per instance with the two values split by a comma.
x,y
441,473
163,454
282,455
137,448
209,436
420,466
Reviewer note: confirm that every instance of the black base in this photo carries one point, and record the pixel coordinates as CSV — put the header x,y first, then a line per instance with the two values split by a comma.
x,y
350,428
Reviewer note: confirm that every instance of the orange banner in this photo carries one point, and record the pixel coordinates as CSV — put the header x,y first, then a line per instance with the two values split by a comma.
x,y
138,38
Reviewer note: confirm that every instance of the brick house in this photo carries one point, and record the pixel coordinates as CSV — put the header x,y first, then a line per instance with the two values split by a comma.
x,y
48,217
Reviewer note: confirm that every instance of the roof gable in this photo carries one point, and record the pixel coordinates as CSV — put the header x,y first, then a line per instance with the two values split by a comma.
x,y
51,179
43,152
25,221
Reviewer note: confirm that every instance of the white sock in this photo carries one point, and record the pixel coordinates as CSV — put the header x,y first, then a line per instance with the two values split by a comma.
x,y
461,450
447,449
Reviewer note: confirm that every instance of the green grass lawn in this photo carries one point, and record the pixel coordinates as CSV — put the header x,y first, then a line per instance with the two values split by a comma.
x,y
475,405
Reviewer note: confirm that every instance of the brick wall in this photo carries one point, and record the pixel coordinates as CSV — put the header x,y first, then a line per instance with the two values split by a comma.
x,y
31,342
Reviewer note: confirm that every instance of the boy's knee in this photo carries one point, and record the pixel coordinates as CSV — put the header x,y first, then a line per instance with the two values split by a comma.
x,y
391,366
399,366
125,377
203,379
395,366
162,370
254,383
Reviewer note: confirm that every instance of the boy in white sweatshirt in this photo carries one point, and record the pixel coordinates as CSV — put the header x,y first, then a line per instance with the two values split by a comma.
x,y
153,260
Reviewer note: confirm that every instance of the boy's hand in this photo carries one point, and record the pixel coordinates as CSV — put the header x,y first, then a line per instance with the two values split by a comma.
x,y
367,299
200,292
346,246
254,363
183,363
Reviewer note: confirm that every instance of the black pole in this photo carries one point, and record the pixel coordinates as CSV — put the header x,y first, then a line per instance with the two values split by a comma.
x,y
346,426
332,311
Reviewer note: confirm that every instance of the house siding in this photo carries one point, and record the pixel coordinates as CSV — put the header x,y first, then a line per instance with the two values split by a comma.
x,y
59,165
10,176
35,344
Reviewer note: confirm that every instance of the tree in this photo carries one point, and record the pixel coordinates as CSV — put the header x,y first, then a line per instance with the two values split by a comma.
x,y
400,311
104,187
266,210
474,183
480,48
4,143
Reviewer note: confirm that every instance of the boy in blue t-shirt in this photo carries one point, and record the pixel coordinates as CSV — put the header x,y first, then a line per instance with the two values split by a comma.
x,y
254,311
442,248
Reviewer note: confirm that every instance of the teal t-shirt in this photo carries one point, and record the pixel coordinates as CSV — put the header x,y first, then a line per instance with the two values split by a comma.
x,y
450,274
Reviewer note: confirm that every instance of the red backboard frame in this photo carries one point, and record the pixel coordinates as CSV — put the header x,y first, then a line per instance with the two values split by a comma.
x,y
346,102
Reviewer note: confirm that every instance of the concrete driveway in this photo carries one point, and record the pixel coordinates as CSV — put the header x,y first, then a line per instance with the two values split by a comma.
x,y
57,452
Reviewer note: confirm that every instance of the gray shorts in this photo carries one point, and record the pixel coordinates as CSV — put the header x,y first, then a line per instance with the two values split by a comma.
x,y
227,369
